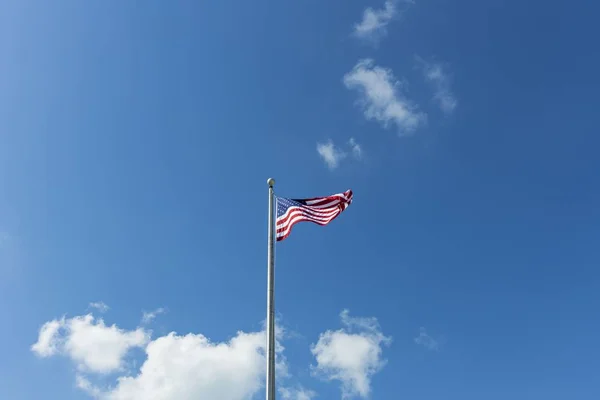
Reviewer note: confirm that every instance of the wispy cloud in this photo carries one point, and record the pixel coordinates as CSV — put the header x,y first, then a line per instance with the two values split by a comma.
x,y
374,22
351,355
373,25
425,340
296,393
381,98
435,74
332,155
148,317
355,148
100,306
88,387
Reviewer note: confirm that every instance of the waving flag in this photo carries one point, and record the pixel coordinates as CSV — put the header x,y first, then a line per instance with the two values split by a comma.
x,y
320,210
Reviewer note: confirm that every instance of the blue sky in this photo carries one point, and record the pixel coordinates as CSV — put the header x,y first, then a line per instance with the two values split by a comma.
x,y
135,144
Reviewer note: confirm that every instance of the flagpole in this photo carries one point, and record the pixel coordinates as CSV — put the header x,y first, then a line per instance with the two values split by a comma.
x,y
270,298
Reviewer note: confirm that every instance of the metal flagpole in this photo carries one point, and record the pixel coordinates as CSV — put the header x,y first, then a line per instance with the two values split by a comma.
x,y
270,298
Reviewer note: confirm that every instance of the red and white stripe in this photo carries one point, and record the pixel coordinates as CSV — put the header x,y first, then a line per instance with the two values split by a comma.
x,y
319,210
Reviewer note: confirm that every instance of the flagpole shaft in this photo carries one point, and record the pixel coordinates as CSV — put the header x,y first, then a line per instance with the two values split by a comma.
x,y
270,389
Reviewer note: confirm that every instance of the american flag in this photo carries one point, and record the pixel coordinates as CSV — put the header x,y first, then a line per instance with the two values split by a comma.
x,y
320,210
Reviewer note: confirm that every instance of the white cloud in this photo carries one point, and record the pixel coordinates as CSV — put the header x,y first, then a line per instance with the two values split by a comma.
x,y
434,73
380,97
92,345
100,348
356,148
330,154
48,339
296,394
148,317
183,367
191,367
351,355
100,306
88,387
374,22
427,341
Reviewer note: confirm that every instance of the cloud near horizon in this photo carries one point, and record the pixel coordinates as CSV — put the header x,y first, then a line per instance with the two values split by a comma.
x,y
351,355
197,367
89,343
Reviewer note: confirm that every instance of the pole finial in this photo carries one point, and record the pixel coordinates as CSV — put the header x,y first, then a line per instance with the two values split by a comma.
x,y
271,182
